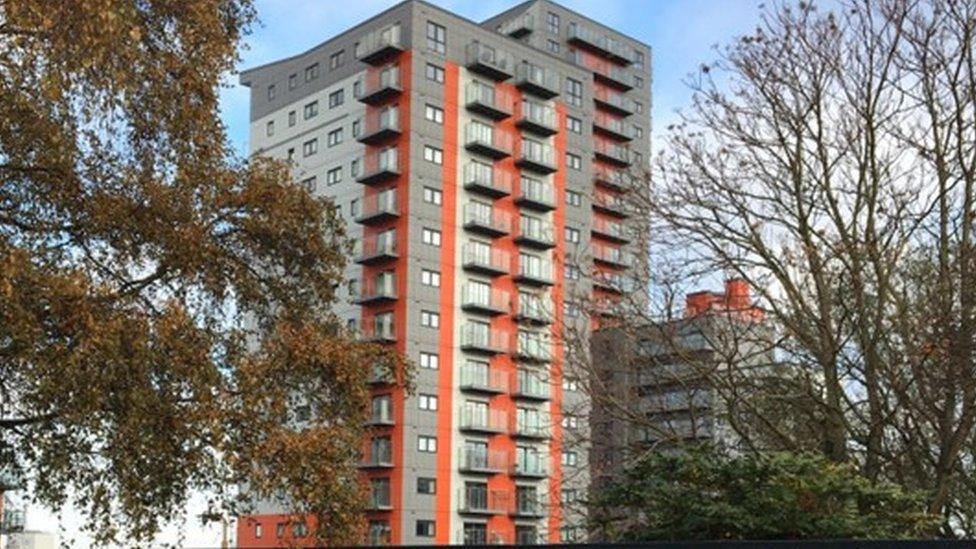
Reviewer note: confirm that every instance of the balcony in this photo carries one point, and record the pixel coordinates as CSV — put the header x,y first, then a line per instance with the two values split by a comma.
x,y
615,179
481,461
382,419
534,429
536,194
482,218
610,230
536,80
518,27
481,339
380,85
614,257
482,379
535,233
487,140
604,45
377,290
614,102
609,126
532,346
487,100
537,118
612,153
537,157
613,282
610,203
378,208
380,125
535,274
485,179
482,420
531,310
379,458
380,332
378,375
378,166
529,505
378,46
531,386
489,61
481,501
485,260
376,249
478,298
531,465
604,71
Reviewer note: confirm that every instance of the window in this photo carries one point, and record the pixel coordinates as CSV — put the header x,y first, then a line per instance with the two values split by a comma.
x,y
434,114
382,409
430,319
569,495
573,198
552,22
574,161
334,137
552,46
291,154
639,59
572,272
570,384
354,207
310,147
570,459
637,157
292,81
309,183
428,402
427,444
291,118
430,278
357,88
433,154
311,72
570,422
354,167
269,128
638,82
574,91
271,92
572,235
333,176
433,196
430,236
574,124
336,98
280,530
426,485
638,132
435,73
425,528
638,107
379,532
379,493
337,59
436,37
572,309
311,109
429,361
258,530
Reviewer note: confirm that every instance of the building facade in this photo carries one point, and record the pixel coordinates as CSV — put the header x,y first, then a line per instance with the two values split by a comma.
x,y
483,170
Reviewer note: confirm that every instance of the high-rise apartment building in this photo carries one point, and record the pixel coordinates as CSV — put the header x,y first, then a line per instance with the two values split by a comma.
x,y
483,170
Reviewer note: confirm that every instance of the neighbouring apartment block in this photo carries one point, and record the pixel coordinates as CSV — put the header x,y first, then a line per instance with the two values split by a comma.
x,y
483,170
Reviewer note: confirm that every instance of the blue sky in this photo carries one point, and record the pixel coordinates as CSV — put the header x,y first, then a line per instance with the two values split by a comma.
x,y
682,33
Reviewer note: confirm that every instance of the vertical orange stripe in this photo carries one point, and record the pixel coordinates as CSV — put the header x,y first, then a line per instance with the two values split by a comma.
x,y
445,380
556,408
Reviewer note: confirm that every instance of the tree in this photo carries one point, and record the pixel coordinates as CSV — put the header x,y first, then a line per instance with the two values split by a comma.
x,y
827,159
702,494
164,306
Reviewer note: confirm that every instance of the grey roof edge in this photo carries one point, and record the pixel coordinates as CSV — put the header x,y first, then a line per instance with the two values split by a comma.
x,y
589,19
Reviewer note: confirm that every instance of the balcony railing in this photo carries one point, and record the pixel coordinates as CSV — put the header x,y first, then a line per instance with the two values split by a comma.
x,y
530,346
604,71
380,45
380,125
378,207
537,80
379,457
610,230
605,45
484,502
485,421
380,331
537,194
381,84
532,385
612,152
492,301
613,178
489,61
615,102
479,460
537,157
483,379
537,118
612,127
533,428
609,255
375,248
532,310
536,233
491,261
483,218
610,203
518,27
490,141
488,100
486,179
379,165
377,290
529,505
531,465
474,337
613,282
538,273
